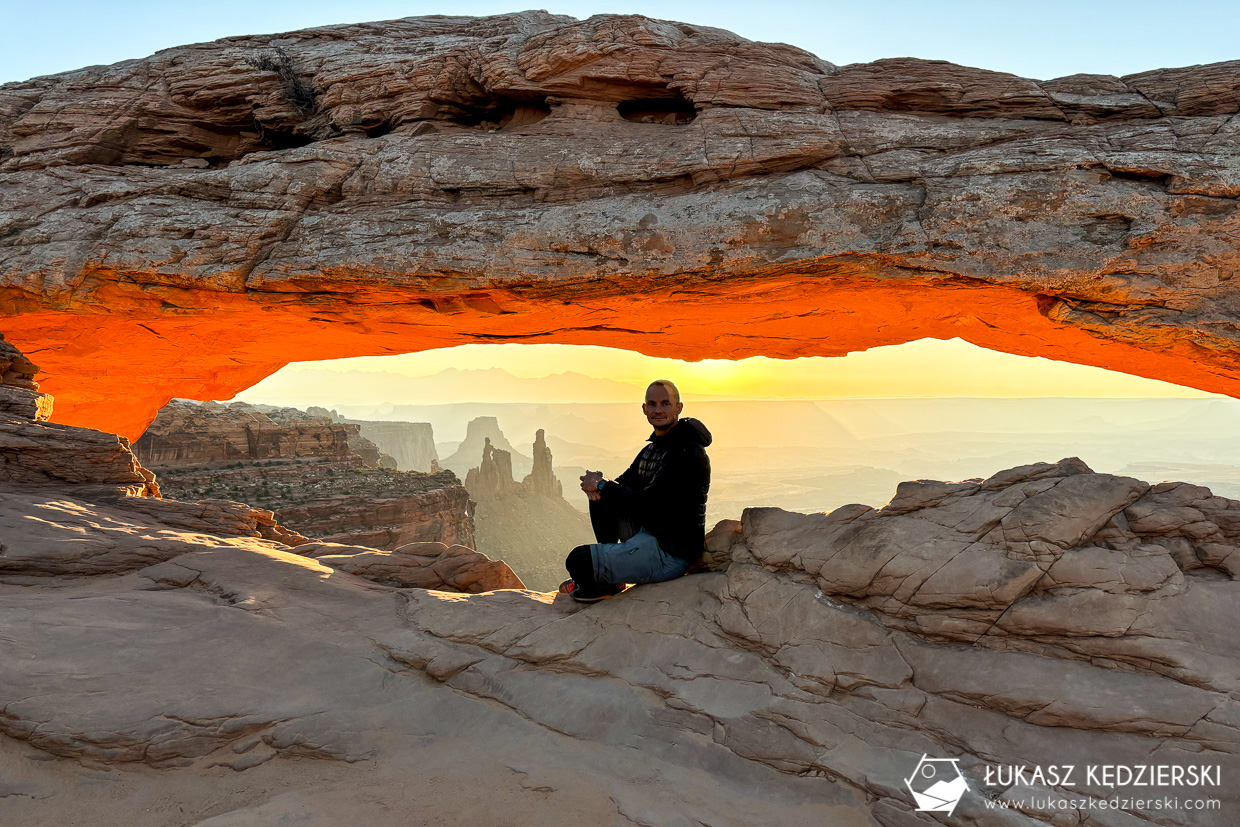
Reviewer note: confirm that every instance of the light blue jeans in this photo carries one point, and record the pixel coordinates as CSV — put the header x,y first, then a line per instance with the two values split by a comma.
x,y
637,560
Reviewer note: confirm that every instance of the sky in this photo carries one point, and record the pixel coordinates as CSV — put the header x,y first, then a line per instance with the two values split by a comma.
x,y
1039,40
928,368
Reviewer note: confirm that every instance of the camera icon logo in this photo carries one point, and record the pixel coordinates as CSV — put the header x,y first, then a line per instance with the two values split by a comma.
x,y
937,785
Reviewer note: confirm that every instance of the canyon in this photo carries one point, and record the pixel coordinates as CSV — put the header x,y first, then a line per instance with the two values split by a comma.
x,y
410,444
320,477
528,524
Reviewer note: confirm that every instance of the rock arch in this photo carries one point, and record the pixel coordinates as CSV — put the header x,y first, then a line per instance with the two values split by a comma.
x,y
156,240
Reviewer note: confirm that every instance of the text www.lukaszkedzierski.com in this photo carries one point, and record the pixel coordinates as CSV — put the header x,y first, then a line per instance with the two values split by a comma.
x,y
1128,804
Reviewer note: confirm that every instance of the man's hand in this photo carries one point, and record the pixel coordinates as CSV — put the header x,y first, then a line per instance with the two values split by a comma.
x,y
589,484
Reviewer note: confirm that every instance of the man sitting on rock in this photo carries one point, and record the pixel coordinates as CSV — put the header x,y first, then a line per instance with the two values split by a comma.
x,y
650,522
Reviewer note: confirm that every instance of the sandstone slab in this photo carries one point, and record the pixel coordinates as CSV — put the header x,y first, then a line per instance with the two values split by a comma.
x,y
425,565
761,693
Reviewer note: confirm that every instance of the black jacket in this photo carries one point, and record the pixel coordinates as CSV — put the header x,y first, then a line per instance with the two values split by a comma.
x,y
666,486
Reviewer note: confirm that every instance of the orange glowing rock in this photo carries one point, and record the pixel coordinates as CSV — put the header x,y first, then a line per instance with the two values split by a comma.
x,y
118,388
618,181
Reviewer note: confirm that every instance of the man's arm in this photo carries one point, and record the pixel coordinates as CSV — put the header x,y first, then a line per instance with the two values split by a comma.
x,y
680,473
592,480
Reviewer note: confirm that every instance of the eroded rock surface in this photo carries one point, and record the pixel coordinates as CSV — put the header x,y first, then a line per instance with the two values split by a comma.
x,y
230,207
419,565
1046,615
36,452
19,393
1048,559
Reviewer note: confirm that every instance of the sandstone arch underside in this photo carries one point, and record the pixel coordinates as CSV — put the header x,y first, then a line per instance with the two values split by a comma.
x,y
186,224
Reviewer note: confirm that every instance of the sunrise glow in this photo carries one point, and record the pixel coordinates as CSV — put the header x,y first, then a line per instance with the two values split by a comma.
x,y
927,368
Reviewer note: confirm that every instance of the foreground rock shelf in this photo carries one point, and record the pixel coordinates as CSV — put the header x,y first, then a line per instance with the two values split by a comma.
x,y
1046,615
618,181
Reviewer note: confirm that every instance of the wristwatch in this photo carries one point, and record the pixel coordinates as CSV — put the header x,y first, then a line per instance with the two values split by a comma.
x,y
599,487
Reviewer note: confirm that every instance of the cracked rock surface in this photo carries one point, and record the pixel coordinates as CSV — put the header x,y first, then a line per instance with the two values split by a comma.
x,y
1046,615
229,207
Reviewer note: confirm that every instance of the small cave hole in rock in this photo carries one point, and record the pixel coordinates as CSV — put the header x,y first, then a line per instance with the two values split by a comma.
x,y
676,110
277,139
379,130
497,112
1104,229
1148,176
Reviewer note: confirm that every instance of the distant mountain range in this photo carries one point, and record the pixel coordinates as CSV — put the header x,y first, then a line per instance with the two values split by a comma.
x,y
311,386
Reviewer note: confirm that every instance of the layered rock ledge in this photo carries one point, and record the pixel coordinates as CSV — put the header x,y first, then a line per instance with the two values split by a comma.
x,y
317,476
1046,615
229,207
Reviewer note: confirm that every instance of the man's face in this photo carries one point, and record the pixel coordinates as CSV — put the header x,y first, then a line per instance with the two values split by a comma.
x,y
660,410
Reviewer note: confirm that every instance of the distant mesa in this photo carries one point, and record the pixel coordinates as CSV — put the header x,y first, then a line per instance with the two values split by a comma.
x,y
410,444
319,476
481,431
191,433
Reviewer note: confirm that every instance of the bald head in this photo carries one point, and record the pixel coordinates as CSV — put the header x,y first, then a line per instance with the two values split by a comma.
x,y
662,406
667,385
